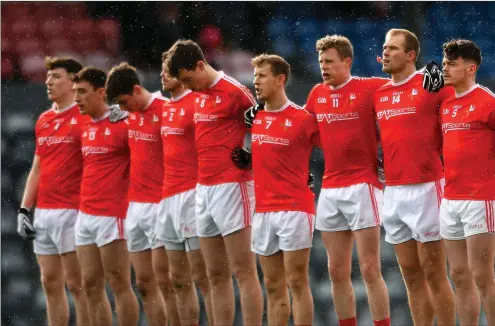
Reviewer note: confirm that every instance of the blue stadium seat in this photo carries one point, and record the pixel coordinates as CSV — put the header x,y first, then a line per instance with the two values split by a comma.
x,y
284,47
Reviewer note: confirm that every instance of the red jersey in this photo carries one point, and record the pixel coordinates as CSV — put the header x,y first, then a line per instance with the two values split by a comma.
x,y
348,131
408,117
146,153
468,127
58,146
281,144
219,127
105,180
179,150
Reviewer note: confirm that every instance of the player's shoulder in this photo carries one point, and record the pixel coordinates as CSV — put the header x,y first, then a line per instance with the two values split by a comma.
x,y
232,85
298,110
487,94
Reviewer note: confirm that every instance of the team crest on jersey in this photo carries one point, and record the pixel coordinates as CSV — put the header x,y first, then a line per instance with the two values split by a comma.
x,y
288,123
182,111
73,121
107,132
414,92
353,96
471,108
218,100
46,125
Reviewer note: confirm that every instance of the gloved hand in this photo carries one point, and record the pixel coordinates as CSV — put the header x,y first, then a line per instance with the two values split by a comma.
x,y
433,77
242,158
250,114
311,181
116,114
25,226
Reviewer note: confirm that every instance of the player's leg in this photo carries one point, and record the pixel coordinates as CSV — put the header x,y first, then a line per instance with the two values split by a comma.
x,y
140,227
182,281
220,279
198,269
93,281
52,280
417,290
481,255
276,288
467,298
232,207
296,265
368,249
153,303
339,249
434,265
161,271
73,279
466,295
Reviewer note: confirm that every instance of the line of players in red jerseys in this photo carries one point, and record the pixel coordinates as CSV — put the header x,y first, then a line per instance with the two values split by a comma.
x,y
170,186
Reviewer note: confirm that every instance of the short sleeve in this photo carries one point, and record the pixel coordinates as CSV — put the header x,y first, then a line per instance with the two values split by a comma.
x,y
310,102
245,100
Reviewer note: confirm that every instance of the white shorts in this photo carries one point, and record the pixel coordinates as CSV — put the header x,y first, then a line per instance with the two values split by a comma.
x,y
286,231
140,227
463,218
224,208
176,222
349,208
55,234
99,230
413,212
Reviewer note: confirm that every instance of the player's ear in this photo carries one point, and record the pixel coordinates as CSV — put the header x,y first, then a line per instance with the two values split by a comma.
x,y
101,92
200,65
137,90
348,62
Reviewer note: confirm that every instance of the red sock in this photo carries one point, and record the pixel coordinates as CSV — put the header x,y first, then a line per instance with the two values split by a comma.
x,y
348,322
384,322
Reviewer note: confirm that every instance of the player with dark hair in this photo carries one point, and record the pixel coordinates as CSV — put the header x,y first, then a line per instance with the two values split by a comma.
x,y
176,223
100,237
124,87
225,193
467,221
408,117
53,188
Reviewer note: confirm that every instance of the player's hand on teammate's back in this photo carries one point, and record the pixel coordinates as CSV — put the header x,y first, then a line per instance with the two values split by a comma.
x,y
433,77
116,114
242,158
250,114
311,180
25,226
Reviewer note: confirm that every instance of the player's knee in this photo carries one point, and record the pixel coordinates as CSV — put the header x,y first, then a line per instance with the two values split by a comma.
x,y
118,282
275,287
93,285
460,275
144,284
219,277
370,272
482,278
433,275
53,284
413,275
297,282
75,287
178,282
338,274
200,277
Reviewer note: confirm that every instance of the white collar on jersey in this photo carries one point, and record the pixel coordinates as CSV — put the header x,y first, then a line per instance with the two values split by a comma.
x,y
103,117
58,111
333,88
467,92
152,98
175,99
220,76
405,80
282,108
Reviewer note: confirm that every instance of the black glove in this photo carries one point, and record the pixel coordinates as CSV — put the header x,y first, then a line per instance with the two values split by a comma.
x,y
242,158
433,77
250,114
116,114
25,226
311,180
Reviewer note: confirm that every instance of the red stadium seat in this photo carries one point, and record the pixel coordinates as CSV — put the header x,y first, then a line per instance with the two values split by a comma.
x,y
25,27
74,10
46,10
53,28
12,12
7,67
58,45
109,33
29,46
81,29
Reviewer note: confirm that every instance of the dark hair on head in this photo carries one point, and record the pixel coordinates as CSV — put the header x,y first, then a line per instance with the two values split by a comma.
x,y
465,49
94,76
70,65
184,54
278,64
411,42
121,81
